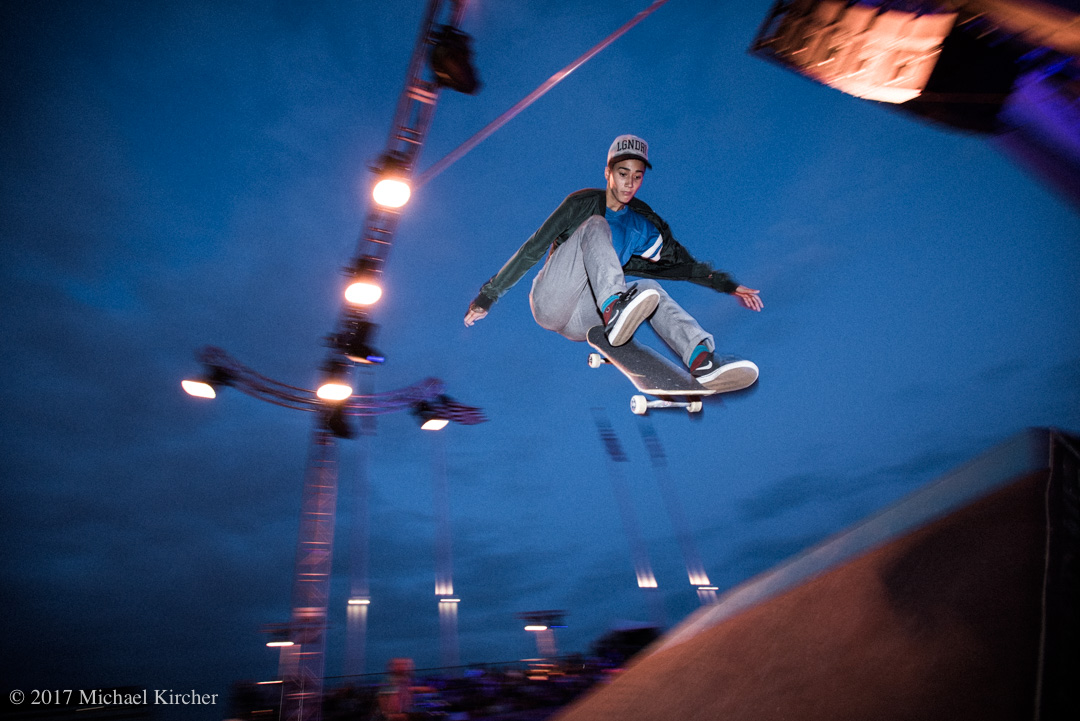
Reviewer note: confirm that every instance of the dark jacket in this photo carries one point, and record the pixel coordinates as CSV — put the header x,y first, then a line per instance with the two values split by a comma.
x,y
675,263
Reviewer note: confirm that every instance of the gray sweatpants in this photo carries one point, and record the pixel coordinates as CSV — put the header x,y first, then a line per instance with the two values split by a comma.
x,y
585,271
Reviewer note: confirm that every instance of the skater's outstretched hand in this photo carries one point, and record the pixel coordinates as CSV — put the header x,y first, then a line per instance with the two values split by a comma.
x,y
747,297
475,313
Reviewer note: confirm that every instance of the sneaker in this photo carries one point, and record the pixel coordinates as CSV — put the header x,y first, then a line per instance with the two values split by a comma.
x,y
623,315
728,373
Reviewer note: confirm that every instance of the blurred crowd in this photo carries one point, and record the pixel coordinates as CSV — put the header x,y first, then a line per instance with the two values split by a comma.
x,y
522,691
529,692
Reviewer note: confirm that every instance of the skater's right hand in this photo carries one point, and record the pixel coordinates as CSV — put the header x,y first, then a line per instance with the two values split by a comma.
x,y
475,313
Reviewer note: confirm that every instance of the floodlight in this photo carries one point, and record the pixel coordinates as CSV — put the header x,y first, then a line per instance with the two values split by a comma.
x,y
391,192
364,288
199,389
429,416
206,385
392,188
336,385
363,291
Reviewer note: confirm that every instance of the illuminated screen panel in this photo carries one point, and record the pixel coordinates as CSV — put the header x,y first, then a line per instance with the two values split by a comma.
x,y
883,55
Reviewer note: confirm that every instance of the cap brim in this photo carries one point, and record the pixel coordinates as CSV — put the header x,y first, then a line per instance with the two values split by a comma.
x,y
629,156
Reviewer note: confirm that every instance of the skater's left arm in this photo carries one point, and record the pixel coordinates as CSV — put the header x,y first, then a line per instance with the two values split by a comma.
x,y
674,262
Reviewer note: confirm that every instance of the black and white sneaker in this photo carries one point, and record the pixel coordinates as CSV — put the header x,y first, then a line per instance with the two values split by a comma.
x,y
728,373
624,314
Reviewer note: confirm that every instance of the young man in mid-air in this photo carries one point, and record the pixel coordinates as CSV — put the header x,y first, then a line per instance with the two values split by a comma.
x,y
595,238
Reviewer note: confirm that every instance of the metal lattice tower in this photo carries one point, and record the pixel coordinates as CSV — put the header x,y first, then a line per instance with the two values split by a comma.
x,y
409,129
301,665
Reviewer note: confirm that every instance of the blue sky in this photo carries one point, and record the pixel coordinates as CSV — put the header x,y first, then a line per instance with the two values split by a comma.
x,y
185,174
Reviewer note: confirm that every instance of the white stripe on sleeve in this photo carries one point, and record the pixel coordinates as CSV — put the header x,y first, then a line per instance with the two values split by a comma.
x,y
653,253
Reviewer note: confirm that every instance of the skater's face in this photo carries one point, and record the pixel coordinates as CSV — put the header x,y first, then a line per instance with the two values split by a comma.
x,y
623,181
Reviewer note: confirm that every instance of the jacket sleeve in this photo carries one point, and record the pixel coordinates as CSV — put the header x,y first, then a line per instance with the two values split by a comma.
x,y
675,262
556,227
682,268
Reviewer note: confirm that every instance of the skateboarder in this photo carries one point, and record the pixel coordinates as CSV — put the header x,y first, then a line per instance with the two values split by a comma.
x,y
593,239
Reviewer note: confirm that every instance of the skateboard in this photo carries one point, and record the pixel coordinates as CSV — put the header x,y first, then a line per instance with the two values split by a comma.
x,y
655,375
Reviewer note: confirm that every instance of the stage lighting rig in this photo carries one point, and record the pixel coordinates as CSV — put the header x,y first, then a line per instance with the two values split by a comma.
x,y
355,341
451,61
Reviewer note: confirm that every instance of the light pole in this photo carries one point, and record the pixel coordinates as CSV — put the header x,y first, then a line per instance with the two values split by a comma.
x,y
441,58
302,645
543,624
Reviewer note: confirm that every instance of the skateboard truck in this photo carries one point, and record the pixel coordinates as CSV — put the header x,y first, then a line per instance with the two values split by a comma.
x,y
640,404
655,375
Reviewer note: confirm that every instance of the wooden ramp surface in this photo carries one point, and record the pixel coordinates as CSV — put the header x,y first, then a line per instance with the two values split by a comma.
x,y
930,610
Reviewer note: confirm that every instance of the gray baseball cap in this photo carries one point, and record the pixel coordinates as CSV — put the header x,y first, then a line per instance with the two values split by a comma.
x,y
628,146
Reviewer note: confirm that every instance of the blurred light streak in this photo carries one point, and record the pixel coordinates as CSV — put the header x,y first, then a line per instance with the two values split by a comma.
x,y
695,569
449,652
646,579
638,550
531,98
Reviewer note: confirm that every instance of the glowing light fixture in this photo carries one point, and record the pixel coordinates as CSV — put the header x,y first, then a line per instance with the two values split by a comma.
x,y
279,644
392,188
335,386
536,627
430,417
359,601
206,385
391,192
199,389
364,288
333,391
363,292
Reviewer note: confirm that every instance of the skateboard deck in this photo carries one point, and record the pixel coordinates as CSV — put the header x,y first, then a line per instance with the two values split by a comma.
x,y
649,371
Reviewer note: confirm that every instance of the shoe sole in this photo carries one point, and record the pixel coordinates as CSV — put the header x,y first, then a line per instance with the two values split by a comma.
x,y
632,316
732,376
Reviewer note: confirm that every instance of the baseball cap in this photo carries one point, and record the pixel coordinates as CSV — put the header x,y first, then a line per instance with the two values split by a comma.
x,y
628,146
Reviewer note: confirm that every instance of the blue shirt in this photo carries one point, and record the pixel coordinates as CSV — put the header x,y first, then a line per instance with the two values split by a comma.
x,y
632,234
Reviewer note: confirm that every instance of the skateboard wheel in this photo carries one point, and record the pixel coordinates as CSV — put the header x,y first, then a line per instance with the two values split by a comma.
x,y
694,407
639,405
595,360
